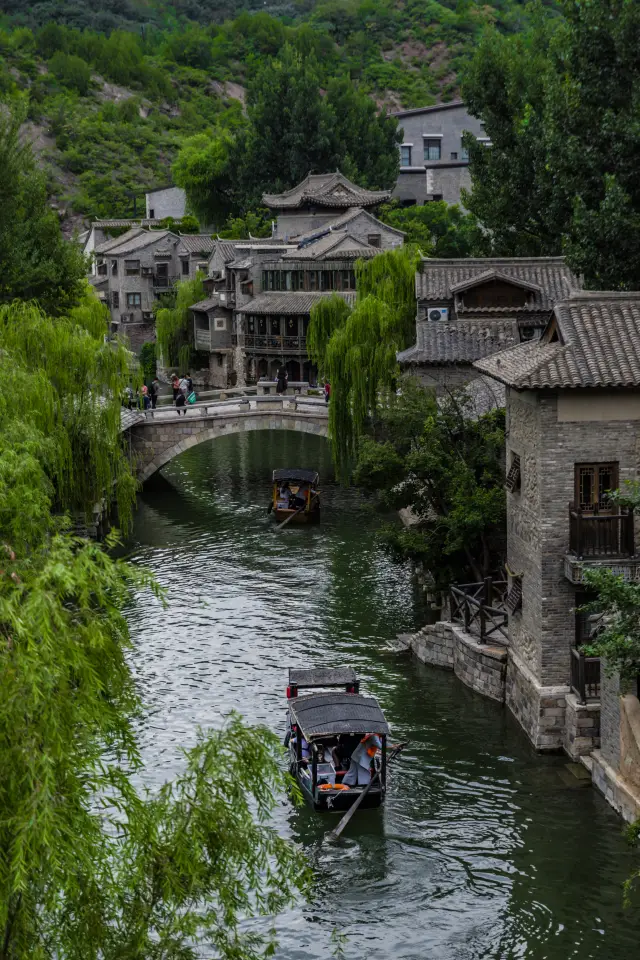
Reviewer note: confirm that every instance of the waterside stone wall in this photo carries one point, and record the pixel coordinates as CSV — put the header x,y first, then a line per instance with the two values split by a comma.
x,y
582,727
480,666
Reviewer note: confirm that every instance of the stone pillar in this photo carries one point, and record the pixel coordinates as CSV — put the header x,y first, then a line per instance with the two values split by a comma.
x,y
582,727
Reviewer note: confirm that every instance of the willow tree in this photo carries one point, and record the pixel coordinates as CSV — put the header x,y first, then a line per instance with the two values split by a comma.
x,y
69,382
90,868
356,349
173,324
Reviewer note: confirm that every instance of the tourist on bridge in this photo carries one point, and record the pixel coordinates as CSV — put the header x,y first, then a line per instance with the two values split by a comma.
x,y
327,391
283,380
175,386
155,392
146,399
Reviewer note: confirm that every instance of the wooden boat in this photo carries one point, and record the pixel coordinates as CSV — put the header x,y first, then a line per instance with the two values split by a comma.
x,y
295,495
324,727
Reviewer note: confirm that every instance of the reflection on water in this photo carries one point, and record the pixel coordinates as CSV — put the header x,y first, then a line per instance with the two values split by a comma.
x,y
483,850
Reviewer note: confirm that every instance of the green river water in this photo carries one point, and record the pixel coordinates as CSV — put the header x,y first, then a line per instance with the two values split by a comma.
x,y
484,849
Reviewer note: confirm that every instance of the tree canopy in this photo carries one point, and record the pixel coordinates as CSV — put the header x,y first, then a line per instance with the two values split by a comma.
x,y
36,261
559,105
292,130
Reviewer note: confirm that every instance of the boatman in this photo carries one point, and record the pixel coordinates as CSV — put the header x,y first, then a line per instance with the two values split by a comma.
x,y
359,772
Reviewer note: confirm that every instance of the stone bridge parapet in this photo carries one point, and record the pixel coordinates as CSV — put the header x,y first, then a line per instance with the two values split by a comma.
x,y
163,433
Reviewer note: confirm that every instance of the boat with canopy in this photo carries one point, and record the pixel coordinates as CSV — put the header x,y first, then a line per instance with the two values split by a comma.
x,y
337,739
295,495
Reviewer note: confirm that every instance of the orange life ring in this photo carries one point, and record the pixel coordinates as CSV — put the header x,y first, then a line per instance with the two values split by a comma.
x,y
333,786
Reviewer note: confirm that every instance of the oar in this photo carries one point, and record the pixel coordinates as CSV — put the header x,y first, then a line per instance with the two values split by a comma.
x,y
285,522
334,834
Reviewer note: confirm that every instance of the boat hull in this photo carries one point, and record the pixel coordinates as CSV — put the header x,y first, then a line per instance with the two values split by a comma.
x,y
337,801
312,516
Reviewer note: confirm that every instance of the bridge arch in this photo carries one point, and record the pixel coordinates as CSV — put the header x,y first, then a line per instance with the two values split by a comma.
x,y
159,439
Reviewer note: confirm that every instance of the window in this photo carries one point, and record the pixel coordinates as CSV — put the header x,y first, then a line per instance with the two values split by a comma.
x,y
313,280
220,360
133,300
454,155
115,300
436,196
432,148
132,268
152,213
185,268
275,326
374,240
114,268
405,155
220,323
514,477
464,153
593,481
102,269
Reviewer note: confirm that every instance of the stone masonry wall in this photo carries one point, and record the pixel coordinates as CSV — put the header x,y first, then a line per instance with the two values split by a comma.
x,y
610,718
441,377
582,727
479,666
539,710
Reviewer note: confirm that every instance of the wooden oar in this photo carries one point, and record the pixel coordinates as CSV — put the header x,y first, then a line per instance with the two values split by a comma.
x,y
334,834
285,522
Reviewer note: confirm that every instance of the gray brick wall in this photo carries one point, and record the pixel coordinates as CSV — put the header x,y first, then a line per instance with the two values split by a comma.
x,y
441,377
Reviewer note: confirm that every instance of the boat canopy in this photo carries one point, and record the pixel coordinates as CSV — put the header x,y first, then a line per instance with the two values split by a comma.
x,y
295,473
328,714
322,677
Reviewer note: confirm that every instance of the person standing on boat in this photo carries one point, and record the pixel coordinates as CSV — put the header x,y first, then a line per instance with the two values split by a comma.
x,y
283,379
359,772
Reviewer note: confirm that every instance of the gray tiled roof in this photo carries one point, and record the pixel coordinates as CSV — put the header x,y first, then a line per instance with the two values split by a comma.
x,y
326,189
339,245
598,345
205,305
133,222
142,239
460,341
342,221
114,242
289,302
438,279
196,243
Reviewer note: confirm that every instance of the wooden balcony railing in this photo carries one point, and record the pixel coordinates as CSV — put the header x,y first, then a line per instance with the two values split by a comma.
x,y
164,283
481,608
585,676
278,344
596,534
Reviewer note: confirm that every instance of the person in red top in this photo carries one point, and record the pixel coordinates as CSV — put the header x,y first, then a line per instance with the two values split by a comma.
x,y
327,391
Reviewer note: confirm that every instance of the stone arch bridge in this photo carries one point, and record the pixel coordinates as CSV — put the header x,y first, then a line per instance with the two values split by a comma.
x,y
158,435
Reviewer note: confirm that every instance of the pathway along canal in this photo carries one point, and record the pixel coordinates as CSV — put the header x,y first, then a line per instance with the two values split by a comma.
x,y
484,849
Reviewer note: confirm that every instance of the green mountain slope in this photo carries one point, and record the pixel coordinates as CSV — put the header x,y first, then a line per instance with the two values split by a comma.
x,y
111,92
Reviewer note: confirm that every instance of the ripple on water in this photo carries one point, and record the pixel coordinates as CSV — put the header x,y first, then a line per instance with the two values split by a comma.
x,y
481,851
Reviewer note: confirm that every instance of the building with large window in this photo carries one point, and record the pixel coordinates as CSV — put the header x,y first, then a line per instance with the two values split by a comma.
x,y
261,292
434,164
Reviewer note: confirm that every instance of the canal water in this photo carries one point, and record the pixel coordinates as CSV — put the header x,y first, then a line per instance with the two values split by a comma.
x,y
484,849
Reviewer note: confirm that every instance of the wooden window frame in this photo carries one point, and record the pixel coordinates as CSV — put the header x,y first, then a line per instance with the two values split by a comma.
x,y
134,300
611,465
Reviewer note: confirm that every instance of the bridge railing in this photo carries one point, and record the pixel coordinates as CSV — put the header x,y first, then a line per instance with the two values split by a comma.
x,y
212,408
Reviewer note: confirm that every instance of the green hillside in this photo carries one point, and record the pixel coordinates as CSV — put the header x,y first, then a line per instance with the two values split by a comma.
x,y
109,93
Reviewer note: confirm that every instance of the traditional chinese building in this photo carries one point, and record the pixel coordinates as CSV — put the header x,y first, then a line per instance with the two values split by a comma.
x,y
261,292
469,309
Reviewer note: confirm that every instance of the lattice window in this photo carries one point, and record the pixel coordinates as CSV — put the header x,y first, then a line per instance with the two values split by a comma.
x,y
514,597
593,482
514,475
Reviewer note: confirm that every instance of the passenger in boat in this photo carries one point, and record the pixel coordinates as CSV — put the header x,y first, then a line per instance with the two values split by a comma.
x,y
341,754
362,758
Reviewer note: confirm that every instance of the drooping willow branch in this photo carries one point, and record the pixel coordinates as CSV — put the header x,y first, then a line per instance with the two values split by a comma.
x,y
356,349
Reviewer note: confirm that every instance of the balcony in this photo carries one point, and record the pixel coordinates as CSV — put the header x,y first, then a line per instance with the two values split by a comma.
x,y
601,540
163,284
585,676
266,343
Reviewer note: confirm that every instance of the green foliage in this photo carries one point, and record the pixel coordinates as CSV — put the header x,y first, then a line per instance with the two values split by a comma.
x,y
561,174
618,640
255,223
36,261
356,350
173,324
148,362
72,71
439,229
446,465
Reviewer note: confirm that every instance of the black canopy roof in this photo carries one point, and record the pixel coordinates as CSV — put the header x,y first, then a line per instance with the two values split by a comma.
x,y
326,714
322,677
295,473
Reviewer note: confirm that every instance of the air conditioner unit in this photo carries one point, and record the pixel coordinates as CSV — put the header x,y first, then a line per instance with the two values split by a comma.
x,y
147,271
436,314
